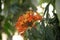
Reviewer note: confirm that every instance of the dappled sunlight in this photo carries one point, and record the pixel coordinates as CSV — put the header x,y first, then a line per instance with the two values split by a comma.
x,y
29,20
4,36
39,9
17,36
50,9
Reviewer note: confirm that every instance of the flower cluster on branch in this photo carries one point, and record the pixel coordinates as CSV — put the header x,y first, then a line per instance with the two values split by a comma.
x,y
26,20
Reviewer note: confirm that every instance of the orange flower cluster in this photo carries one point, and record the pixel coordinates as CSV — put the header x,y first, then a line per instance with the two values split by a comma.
x,y
27,20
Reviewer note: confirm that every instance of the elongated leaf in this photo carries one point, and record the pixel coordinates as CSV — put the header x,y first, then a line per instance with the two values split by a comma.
x,y
49,33
44,1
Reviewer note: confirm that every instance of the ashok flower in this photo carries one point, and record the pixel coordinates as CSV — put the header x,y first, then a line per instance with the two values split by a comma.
x,y
27,20
37,17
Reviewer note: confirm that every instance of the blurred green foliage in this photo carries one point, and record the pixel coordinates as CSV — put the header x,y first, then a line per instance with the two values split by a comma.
x,y
14,8
50,31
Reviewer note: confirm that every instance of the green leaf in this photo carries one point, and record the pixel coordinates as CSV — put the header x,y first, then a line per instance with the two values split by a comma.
x,y
8,27
49,33
44,1
0,36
